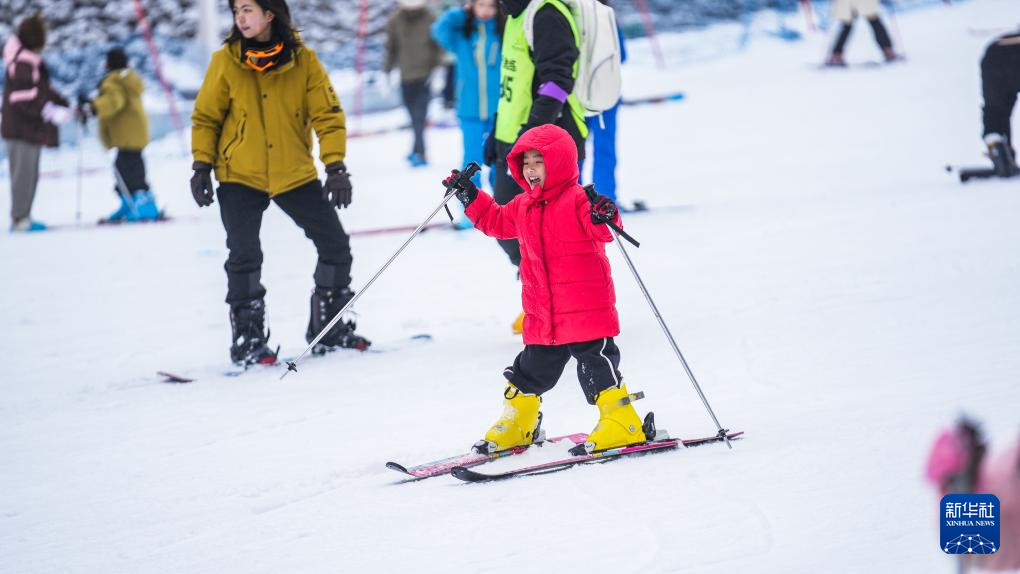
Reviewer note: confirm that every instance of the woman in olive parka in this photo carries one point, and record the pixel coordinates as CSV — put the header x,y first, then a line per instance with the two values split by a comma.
x,y
262,96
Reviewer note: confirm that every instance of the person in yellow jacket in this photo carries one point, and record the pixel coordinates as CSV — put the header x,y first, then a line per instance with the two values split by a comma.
x,y
263,94
124,126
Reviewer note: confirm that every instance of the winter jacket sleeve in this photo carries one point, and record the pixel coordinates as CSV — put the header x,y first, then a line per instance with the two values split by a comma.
x,y
391,45
58,98
491,218
110,100
324,112
211,107
555,53
596,231
447,30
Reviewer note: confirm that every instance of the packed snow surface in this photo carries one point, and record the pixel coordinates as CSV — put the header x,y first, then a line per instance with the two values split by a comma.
x,y
839,296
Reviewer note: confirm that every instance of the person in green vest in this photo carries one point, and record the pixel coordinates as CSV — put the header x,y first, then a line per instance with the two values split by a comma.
x,y
536,85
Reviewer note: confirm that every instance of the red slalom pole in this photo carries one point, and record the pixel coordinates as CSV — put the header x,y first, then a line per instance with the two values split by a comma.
x,y
809,16
359,62
646,19
143,22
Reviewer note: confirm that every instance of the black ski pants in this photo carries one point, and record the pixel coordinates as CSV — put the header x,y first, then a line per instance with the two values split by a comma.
x,y
416,99
877,28
241,209
1000,83
538,367
131,167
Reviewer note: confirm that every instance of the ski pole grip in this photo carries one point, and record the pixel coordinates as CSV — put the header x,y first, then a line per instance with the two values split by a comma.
x,y
468,172
589,190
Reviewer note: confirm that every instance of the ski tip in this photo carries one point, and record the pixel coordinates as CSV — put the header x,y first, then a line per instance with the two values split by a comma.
x,y
172,378
468,475
398,467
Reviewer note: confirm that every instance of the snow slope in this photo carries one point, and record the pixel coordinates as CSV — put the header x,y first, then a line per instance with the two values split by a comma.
x,y
838,295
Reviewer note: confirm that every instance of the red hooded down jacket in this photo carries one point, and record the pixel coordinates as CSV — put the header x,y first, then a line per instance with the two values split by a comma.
x,y
567,288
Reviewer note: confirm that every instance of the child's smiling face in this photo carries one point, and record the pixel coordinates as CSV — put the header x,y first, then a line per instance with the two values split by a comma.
x,y
533,168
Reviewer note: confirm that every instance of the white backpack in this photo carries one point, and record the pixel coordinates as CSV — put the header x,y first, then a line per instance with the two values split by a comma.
x,y
598,84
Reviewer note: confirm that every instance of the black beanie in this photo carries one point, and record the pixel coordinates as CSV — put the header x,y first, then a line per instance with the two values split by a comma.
x,y
116,59
32,33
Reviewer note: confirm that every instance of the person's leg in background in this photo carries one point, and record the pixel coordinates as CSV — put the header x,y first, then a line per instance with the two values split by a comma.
x,y
416,100
603,134
23,159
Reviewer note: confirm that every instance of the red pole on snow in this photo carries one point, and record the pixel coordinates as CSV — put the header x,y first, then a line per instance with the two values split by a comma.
x,y
809,16
896,30
143,22
646,19
359,61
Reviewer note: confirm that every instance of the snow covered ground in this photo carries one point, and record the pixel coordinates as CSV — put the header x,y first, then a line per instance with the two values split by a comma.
x,y
839,296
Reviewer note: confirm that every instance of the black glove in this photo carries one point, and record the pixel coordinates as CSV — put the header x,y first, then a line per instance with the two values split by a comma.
x,y
603,210
489,155
338,190
85,109
201,184
466,190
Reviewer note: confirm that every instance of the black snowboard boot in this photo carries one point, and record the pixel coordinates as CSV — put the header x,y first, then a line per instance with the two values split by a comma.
x,y
326,303
247,321
1001,155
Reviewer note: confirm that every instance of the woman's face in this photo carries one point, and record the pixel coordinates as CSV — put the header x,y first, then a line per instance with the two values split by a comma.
x,y
252,20
485,9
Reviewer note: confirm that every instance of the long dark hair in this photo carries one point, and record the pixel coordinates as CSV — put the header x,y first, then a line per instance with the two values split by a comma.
x,y
469,23
283,27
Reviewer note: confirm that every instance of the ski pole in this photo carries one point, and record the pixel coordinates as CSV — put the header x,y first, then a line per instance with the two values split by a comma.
x,y
896,27
590,190
468,172
122,187
81,155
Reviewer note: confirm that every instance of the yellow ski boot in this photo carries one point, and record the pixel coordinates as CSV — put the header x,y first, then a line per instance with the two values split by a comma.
x,y
619,424
517,426
518,325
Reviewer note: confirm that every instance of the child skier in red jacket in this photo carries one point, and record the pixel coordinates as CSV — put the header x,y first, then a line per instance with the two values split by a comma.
x,y
567,291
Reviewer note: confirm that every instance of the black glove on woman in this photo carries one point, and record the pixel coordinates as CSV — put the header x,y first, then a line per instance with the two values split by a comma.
x,y
201,184
338,190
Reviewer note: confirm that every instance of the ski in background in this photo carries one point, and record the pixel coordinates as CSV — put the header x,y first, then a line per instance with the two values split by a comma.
x,y
659,99
238,370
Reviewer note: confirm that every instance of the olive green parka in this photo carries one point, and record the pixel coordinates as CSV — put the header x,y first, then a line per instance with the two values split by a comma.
x,y
255,128
122,120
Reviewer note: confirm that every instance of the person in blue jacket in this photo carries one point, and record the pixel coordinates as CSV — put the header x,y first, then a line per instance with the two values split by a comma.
x,y
603,135
473,34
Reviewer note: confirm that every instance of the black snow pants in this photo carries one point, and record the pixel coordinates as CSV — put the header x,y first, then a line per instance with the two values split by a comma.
x,y
131,167
1000,83
241,209
877,28
538,367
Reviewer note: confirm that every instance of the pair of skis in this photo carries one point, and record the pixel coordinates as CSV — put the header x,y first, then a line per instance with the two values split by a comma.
x,y
460,466
413,340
